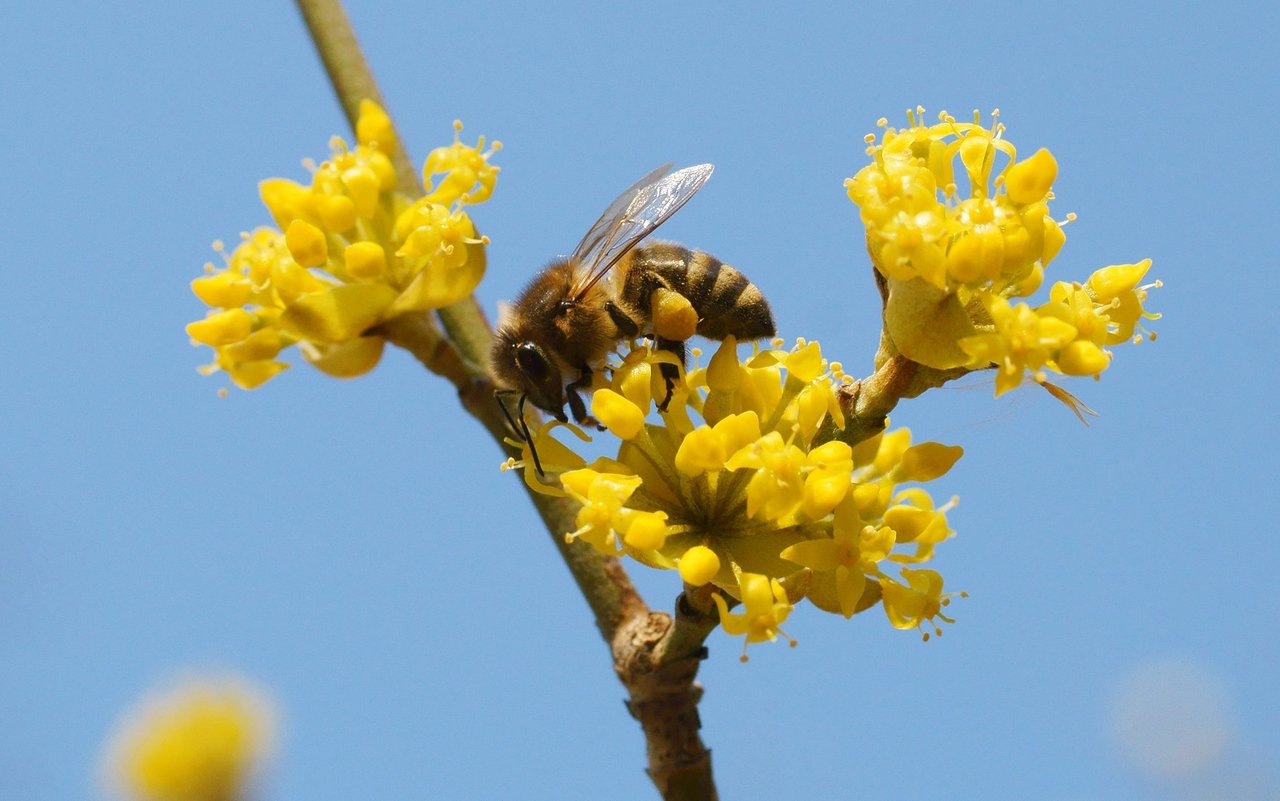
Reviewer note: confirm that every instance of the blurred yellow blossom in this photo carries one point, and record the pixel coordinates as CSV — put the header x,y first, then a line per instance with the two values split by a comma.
x,y
349,252
744,483
200,741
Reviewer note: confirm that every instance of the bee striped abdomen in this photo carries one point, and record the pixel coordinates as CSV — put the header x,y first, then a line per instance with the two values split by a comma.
x,y
727,303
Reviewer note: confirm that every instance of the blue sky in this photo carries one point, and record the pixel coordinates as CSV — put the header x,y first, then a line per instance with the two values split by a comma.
x,y
352,547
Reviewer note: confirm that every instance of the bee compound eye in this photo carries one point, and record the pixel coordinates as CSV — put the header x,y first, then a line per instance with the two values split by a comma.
x,y
532,362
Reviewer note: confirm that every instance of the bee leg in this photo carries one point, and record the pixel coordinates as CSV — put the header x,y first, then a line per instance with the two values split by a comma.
x,y
576,405
626,326
670,372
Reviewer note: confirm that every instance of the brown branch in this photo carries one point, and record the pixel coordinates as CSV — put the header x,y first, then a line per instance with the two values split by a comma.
x,y
866,403
418,333
607,589
655,658
350,76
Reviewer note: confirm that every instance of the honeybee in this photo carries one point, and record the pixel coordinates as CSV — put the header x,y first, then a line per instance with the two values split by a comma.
x,y
569,318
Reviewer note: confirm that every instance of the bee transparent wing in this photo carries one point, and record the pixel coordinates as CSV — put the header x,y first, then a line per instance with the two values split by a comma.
x,y
634,215
604,228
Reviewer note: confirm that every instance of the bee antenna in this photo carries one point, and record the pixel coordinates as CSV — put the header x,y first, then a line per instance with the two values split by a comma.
x,y
518,425
524,427
512,426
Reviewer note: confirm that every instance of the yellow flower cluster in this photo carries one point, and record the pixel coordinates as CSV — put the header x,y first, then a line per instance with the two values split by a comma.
x,y
1066,334
918,225
954,246
349,253
743,483
199,742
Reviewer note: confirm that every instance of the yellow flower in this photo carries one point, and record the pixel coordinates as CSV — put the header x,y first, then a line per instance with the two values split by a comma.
x,y
1116,290
468,175
920,227
959,226
1068,334
842,555
602,496
745,475
350,253
776,486
202,741
1021,340
870,520
553,456
917,602
765,607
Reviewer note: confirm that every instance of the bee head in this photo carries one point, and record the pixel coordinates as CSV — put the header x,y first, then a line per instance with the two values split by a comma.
x,y
541,378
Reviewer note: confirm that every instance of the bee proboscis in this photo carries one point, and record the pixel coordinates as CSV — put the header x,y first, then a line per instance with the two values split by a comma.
x,y
568,319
